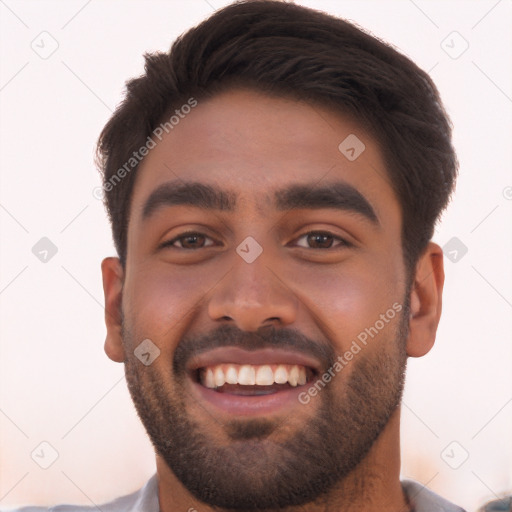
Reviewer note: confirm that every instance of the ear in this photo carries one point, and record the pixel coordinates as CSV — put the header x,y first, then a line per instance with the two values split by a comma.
x,y
113,275
426,301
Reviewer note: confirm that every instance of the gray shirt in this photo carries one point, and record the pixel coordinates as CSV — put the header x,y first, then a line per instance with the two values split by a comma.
x,y
146,500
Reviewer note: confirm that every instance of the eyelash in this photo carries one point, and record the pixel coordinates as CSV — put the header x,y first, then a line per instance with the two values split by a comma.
x,y
343,242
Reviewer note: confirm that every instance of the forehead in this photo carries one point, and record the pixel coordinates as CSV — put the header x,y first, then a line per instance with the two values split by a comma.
x,y
252,145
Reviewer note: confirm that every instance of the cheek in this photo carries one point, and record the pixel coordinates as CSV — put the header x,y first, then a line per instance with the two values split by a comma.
x,y
347,300
159,303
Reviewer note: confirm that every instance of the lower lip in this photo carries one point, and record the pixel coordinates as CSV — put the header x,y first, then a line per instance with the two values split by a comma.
x,y
253,405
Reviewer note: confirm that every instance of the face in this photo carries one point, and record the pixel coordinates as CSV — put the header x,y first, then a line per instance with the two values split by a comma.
x,y
266,269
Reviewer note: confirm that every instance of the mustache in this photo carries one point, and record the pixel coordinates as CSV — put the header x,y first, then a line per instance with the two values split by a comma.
x,y
264,337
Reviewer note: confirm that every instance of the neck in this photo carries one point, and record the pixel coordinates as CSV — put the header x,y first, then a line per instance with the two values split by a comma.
x,y
373,486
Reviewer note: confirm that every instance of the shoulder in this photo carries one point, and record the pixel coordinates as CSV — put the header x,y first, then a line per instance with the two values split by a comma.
x,y
143,500
423,499
499,505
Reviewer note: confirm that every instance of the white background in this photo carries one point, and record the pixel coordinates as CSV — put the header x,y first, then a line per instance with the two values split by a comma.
x,y
56,383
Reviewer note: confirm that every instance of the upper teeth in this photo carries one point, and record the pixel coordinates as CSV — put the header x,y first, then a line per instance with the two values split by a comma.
x,y
250,375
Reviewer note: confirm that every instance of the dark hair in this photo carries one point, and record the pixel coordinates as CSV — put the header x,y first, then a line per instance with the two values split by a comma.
x,y
289,50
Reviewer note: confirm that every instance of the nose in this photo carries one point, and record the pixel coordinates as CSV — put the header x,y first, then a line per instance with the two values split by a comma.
x,y
253,295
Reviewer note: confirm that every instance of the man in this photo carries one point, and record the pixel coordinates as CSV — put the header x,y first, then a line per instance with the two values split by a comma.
x,y
273,183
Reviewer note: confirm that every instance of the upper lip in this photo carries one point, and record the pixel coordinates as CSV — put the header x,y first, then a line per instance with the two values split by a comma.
x,y
235,355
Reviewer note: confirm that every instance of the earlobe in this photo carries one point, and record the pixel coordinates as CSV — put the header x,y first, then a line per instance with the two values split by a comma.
x,y
113,276
426,301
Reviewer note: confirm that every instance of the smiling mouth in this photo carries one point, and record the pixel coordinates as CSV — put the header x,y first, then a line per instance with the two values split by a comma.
x,y
253,380
248,383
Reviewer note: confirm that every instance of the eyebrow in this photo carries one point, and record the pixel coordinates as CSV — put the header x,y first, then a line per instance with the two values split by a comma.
x,y
337,195
173,193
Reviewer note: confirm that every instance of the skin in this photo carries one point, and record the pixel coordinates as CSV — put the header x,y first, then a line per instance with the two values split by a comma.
x,y
251,144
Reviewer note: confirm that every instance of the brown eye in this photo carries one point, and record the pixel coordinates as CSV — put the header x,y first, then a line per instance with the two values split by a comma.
x,y
320,240
188,241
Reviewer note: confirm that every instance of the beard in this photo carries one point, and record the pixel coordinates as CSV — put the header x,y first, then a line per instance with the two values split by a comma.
x,y
252,471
